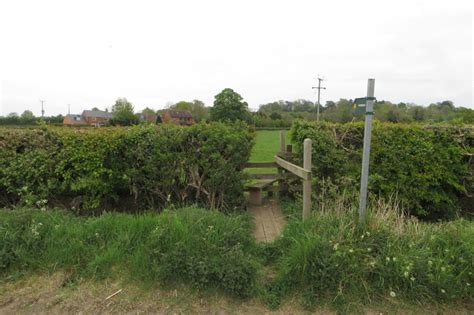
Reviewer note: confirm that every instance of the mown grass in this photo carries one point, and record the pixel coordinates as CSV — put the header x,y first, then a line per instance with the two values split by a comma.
x,y
267,145
327,260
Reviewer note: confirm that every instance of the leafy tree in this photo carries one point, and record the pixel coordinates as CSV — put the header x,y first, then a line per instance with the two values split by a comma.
x,y
123,113
148,111
229,106
330,105
13,115
27,115
197,108
341,112
275,116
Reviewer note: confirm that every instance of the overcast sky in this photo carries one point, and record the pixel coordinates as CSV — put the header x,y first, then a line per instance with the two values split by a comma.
x,y
89,53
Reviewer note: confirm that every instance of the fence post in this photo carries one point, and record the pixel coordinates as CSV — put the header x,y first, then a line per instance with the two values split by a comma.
x,y
307,182
282,141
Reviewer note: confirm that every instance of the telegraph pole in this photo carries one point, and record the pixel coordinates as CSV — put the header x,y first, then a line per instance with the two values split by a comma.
x,y
42,107
319,88
69,109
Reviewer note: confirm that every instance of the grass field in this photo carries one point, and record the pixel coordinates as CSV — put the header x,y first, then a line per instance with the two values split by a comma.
x,y
267,144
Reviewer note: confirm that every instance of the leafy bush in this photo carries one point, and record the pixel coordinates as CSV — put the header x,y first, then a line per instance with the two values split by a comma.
x,y
203,248
152,166
427,168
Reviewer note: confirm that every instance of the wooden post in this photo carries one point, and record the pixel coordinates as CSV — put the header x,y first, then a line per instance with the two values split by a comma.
x,y
282,141
281,182
307,182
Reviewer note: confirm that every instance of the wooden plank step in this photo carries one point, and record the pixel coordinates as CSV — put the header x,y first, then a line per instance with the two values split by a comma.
x,y
265,176
261,184
260,165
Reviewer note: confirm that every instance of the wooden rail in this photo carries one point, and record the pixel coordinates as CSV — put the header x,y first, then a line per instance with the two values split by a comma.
x,y
260,165
265,176
295,169
302,172
282,164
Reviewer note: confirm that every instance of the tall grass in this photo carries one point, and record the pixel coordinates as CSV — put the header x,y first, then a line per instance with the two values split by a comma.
x,y
204,248
330,258
326,259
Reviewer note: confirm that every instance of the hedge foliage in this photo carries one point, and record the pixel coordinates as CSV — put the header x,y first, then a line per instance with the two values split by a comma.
x,y
429,169
145,166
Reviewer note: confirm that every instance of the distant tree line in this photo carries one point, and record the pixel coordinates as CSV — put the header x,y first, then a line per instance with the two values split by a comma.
x,y
27,118
282,113
230,106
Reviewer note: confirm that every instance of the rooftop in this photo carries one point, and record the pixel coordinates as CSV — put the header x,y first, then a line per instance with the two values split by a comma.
x,y
96,113
180,114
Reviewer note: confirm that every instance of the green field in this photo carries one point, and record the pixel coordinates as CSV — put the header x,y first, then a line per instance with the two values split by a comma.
x,y
267,144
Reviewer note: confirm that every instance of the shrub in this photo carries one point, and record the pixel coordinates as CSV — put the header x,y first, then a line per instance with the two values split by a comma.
x,y
152,166
428,168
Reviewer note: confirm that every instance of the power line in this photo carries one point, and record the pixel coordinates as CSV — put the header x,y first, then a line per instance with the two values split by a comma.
x,y
319,88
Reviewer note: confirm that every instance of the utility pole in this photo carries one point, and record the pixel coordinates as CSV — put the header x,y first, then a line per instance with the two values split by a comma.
x,y
69,109
42,107
319,88
366,150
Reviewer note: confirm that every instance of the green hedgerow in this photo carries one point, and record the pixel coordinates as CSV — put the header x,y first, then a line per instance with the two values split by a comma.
x,y
144,166
428,168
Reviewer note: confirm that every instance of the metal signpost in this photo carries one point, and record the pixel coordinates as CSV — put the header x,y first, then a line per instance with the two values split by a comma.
x,y
369,101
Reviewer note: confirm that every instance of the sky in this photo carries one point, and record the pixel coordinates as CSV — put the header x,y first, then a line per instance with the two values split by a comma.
x,y
154,53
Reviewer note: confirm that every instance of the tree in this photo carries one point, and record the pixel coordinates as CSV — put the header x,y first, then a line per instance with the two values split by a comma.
x,y
27,115
341,112
275,116
196,108
122,112
148,111
229,106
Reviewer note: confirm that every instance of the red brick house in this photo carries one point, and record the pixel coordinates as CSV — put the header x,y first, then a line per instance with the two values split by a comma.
x,y
180,117
95,118
151,118
74,120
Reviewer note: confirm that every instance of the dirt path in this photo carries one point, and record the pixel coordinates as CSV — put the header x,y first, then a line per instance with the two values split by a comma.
x,y
269,220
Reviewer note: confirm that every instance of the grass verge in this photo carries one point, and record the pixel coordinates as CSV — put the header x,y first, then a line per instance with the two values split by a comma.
x,y
203,248
325,261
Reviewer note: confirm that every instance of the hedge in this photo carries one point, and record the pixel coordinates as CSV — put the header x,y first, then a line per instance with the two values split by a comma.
x,y
428,168
140,166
